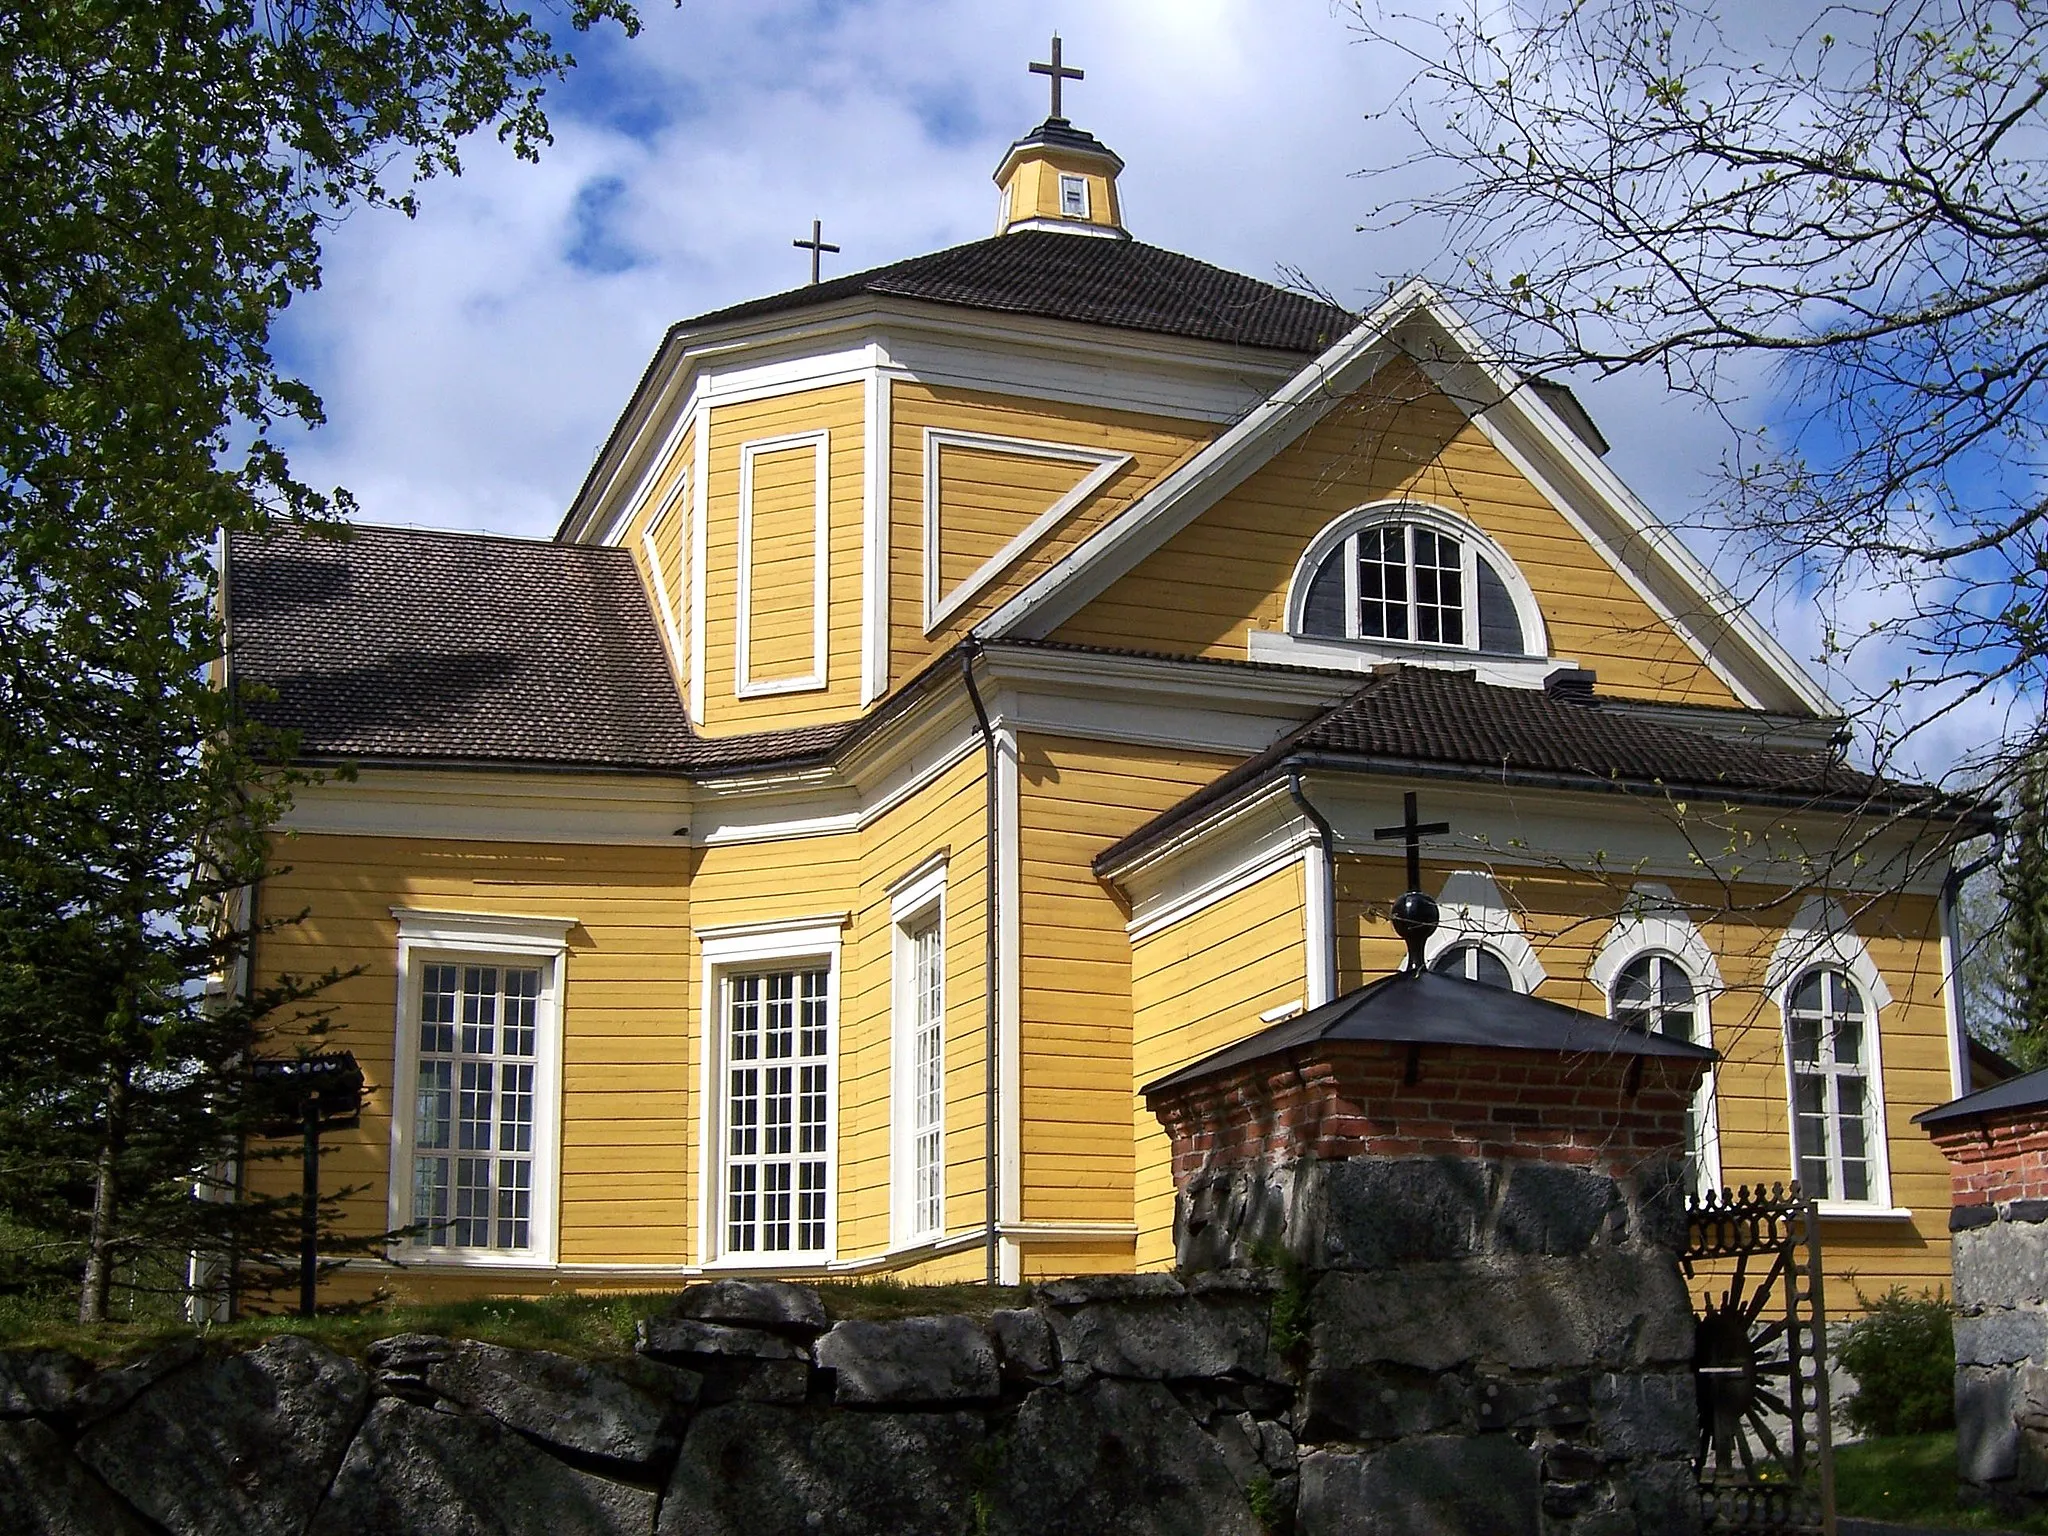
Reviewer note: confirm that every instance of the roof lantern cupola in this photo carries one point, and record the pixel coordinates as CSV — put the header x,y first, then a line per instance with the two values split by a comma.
x,y
1058,177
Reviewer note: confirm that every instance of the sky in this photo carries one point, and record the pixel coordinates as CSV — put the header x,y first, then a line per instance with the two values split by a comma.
x,y
473,359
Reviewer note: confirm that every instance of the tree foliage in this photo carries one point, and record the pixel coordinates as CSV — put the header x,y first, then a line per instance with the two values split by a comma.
x,y
170,168
1848,215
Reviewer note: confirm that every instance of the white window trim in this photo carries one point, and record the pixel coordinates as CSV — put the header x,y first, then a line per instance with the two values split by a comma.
x,y
749,946
941,606
1821,935
428,935
1472,910
670,609
1068,180
917,900
744,685
1653,922
1472,540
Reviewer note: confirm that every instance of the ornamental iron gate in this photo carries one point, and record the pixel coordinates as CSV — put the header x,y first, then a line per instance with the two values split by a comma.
x,y
1752,1263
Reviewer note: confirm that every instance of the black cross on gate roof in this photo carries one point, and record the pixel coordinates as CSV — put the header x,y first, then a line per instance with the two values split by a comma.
x,y
1413,832
1058,72
816,246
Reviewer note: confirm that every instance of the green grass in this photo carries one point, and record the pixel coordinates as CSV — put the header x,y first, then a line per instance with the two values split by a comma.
x,y
1912,1479
567,1322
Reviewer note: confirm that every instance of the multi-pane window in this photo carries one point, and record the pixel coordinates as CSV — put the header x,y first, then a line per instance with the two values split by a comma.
x,y
1074,197
1655,994
1475,962
473,1105
778,1093
927,1081
1410,583
1834,1110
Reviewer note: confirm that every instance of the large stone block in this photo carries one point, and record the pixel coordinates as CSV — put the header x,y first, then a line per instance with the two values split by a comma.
x,y
1121,1458
772,1304
911,1360
623,1410
1374,1213
682,1338
1024,1343
244,1444
1647,1414
414,1472
1379,1403
2004,1264
2007,1336
1545,1208
39,1381
1441,1485
752,1470
46,1491
110,1391
1168,1340
1987,1424
1617,1308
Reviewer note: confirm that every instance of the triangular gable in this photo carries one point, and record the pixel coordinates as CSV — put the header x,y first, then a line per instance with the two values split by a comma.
x,y
1418,324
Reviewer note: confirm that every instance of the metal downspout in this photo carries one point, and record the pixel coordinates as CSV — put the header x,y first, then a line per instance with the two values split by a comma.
x,y
991,1153
1328,838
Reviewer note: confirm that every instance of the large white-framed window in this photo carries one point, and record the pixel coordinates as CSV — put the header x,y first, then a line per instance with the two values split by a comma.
x,y
1832,998
1478,935
1655,992
917,1118
1401,574
770,1093
1474,962
1837,1127
475,1129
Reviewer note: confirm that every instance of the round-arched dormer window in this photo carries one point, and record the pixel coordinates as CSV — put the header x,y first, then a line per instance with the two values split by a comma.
x,y
1402,574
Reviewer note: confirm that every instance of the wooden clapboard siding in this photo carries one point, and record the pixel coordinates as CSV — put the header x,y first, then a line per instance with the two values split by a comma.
x,y
782,561
625,1072
986,499
668,523
1157,445
850,875
1075,799
1227,573
1196,987
781,628
1566,917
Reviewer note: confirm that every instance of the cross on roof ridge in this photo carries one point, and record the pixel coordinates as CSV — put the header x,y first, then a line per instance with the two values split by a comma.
x,y
817,246
1057,72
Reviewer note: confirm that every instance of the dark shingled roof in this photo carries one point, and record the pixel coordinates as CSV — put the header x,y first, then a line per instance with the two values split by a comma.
x,y
1423,718
1423,1008
396,642
1099,281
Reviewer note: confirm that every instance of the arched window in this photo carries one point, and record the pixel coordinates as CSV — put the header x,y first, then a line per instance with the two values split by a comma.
x,y
1656,994
1834,1104
1413,576
1475,962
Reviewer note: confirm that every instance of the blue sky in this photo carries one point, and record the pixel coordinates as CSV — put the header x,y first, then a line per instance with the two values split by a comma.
x,y
472,360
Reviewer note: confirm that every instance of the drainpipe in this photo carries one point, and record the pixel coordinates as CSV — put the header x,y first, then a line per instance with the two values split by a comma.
x,y
990,1150
1322,895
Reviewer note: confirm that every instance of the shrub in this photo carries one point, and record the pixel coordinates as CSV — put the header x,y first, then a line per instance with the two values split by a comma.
x,y
1903,1356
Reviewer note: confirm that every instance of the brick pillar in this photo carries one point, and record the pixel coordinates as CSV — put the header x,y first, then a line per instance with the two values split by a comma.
x,y
1998,1218
1481,1243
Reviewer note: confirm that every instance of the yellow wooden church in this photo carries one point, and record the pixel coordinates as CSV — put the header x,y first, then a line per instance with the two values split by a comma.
x,y
963,692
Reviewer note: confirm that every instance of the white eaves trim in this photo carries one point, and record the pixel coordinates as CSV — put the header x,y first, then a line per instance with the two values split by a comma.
x,y
1204,479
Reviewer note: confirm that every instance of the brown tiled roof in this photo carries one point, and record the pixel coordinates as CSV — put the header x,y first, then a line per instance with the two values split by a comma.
x,y
1424,720
403,643
1119,283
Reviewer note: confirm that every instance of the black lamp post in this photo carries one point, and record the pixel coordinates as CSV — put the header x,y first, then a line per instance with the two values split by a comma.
x,y
319,1092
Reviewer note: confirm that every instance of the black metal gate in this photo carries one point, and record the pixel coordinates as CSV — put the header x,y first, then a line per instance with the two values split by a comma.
x,y
1752,1263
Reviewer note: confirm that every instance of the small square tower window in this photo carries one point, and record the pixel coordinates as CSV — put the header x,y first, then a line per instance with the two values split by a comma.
x,y
1074,197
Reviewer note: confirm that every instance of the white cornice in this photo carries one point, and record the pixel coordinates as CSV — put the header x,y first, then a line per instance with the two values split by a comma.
x,y
474,805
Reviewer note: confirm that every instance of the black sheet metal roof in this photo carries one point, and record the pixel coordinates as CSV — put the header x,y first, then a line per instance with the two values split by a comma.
x,y
1423,1008
1060,276
2027,1092
1424,719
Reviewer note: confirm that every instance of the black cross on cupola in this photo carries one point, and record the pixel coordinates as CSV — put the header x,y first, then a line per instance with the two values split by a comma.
x,y
816,246
1058,72
1415,914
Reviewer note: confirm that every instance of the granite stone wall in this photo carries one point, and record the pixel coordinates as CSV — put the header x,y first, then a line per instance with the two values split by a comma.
x,y
1525,1375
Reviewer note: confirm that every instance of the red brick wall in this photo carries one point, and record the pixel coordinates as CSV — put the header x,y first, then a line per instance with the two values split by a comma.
x,y
1351,1098
1990,1161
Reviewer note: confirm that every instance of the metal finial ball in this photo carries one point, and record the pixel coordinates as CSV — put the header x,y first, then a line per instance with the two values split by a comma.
x,y
1415,915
